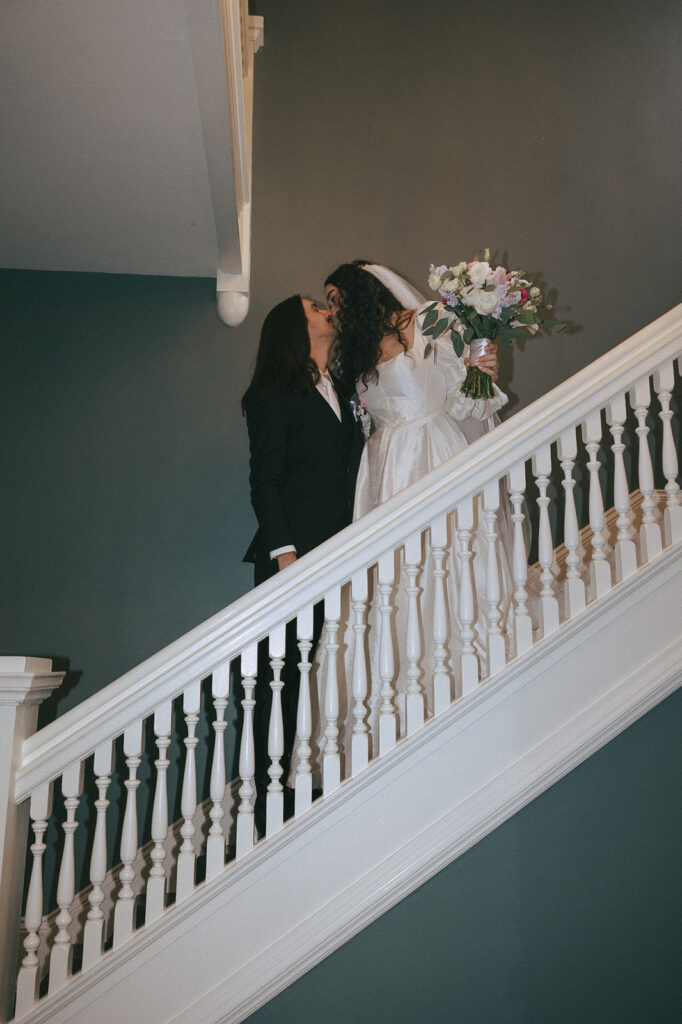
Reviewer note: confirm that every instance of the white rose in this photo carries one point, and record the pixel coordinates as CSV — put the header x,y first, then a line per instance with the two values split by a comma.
x,y
534,292
434,282
459,269
478,272
485,302
466,295
449,284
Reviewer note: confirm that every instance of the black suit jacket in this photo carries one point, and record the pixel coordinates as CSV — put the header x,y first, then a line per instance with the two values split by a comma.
x,y
304,464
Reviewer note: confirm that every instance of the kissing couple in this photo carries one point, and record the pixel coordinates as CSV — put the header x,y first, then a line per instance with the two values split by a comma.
x,y
312,471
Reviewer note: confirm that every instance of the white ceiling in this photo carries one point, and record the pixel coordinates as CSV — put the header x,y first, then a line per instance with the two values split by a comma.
x,y
103,162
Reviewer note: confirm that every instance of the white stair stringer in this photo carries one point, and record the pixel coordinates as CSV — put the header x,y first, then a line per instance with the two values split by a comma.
x,y
249,933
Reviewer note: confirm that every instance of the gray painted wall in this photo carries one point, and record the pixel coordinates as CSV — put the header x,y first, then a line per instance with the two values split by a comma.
x,y
569,913
396,131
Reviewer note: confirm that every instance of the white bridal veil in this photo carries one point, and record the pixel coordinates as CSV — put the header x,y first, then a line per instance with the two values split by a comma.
x,y
405,293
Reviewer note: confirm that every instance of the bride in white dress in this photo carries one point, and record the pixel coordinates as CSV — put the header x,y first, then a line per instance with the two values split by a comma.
x,y
420,418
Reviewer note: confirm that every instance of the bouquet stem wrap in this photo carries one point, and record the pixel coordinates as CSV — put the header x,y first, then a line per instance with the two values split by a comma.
x,y
477,384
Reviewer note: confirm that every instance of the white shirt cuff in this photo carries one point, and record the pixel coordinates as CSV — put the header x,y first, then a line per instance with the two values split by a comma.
x,y
282,551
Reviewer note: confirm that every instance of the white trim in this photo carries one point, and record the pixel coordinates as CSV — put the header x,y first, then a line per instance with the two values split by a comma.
x,y
162,677
268,918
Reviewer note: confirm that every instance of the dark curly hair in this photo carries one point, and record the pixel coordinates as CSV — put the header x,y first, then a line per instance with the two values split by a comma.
x,y
367,314
283,362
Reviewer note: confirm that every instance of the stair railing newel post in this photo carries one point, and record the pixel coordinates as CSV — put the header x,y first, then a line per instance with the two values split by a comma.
x,y
388,719
600,569
466,596
414,701
24,684
495,640
62,950
93,936
247,755
442,689
360,740
664,381
650,543
156,885
626,554
523,626
274,801
303,783
191,702
216,842
574,588
124,909
549,606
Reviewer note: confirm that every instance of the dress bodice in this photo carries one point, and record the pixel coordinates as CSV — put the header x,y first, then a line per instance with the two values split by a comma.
x,y
411,386
416,407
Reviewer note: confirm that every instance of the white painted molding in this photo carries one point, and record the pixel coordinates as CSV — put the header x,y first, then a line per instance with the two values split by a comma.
x,y
162,677
244,936
24,684
223,40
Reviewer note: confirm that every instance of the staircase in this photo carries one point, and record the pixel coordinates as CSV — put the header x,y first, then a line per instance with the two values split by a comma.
x,y
202,922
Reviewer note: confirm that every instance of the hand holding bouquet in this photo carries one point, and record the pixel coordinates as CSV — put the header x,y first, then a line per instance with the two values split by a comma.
x,y
482,303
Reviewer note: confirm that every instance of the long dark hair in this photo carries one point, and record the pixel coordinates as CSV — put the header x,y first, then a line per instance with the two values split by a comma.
x,y
367,314
283,362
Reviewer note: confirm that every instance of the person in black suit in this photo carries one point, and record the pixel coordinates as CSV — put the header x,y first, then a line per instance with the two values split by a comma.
x,y
305,447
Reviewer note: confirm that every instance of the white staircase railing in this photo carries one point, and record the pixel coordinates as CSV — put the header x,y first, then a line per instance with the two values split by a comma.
x,y
138,714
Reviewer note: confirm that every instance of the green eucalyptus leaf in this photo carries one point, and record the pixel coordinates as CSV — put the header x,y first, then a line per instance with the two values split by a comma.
x,y
441,327
428,349
430,319
457,342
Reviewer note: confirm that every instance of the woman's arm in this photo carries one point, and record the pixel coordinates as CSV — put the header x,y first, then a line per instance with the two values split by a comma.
x,y
266,421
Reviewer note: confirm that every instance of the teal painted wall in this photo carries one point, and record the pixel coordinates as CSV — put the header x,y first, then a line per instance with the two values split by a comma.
x,y
569,913
391,130
396,131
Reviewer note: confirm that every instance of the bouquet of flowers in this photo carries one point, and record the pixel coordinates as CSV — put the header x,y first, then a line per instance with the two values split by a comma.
x,y
483,304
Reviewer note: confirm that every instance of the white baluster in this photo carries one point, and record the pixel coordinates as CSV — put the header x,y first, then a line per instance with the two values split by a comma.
x,y
467,606
93,938
549,607
62,950
215,845
388,719
28,981
442,690
331,761
626,557
191,702
650,543
124,910
495,640
303,783
414,704
523,627
600,570
156,885
664,380
574,588
360,741
247,757
274,804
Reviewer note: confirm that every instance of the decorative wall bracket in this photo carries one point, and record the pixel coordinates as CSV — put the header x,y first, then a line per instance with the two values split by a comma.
x,y
224,39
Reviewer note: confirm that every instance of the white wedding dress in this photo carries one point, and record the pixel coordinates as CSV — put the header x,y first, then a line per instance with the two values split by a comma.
x,y
420,419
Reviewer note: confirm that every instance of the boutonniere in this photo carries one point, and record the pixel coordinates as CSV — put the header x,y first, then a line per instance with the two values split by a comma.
x,y
361,413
